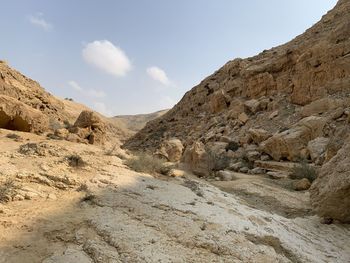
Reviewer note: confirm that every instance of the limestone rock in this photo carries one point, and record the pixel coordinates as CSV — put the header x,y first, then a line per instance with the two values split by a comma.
x,y
252,106
259,135
302,185
15,115
243,117
89,126
171,149
196,157
290,143
317,148
320,106
330,192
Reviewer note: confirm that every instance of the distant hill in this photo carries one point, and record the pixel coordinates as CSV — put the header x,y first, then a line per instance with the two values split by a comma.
x,y
136,122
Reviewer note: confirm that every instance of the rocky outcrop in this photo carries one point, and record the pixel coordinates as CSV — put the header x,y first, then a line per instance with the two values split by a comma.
x,y
171,150
90,127
330,193
15,115
291,144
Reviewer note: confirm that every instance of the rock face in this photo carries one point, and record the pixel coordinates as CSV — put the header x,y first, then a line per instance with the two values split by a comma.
x,y
15,115
330,193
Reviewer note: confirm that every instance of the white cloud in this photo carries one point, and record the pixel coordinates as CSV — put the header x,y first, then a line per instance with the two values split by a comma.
x,y
39,21
90,93
96,93
158,75
75,85
107,57
103,109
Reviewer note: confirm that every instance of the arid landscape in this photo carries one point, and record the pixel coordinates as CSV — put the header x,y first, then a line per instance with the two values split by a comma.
x,y
251,165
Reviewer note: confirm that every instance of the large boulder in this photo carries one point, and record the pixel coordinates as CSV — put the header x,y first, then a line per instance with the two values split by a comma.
x,y
89,126
196,158
171,149
258,135
291,144
15,115
330,193
321,106
317,148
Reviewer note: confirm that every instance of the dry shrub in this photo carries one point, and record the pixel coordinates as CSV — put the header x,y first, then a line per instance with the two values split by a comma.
x,y
75,161
144,162
303,170
7,190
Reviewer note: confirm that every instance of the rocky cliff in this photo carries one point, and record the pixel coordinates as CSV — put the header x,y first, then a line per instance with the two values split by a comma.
x,y
289,103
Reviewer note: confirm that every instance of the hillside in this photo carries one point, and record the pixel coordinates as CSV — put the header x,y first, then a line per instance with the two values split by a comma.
x,y
137,122
290,103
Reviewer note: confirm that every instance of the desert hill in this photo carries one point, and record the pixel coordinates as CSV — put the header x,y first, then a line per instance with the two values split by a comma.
x,y
137,122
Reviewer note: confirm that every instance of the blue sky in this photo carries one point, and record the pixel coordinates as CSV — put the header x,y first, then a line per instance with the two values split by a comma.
x,y
128,57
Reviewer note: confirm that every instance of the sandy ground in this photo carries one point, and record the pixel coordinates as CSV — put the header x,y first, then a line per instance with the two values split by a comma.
x,y
104,212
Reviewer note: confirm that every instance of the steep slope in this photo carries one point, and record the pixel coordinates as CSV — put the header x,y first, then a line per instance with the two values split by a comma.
x,y
312,66
137,122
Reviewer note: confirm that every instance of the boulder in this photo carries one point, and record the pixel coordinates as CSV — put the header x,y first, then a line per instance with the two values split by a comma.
x,y
226,175
171,149
317,148
291,143
320,106
302,185
196,158
252,106
90,127
330,192
258,135
15,115
243,117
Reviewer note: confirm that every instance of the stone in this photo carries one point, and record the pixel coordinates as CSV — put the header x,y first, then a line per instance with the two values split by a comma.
x,y
317,148
258,170
196,158
236,166
15,115
259,135
320,106
225,175
62,133
243,117
244,170
252,106
330,192
290,143
171,149
176,173
89,126
277,175
274,114
302,185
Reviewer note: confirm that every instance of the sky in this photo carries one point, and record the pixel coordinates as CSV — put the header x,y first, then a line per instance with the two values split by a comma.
x,y
129,57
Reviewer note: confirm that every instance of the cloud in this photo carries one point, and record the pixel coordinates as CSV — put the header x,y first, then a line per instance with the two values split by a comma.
x,y
102,108
75,85
96,93
158,75
90,93
39,21
107,57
